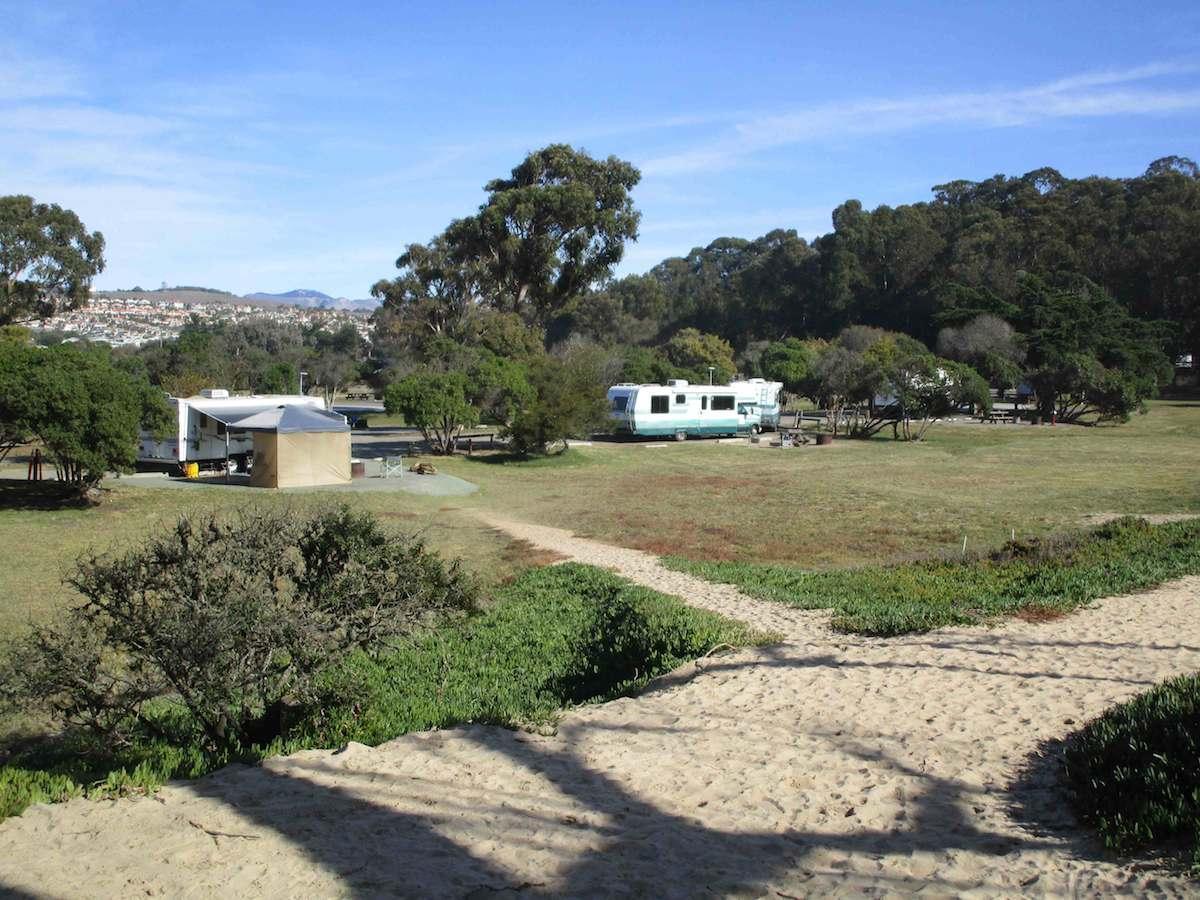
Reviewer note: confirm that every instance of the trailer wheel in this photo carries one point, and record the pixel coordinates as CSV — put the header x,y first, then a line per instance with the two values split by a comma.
x,y
681,435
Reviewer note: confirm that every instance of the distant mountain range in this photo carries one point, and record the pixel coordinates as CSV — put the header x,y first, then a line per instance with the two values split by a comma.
x,y
312,299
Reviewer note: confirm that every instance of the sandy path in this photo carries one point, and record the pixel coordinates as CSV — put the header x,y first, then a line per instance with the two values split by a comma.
x,y
645,569
825,764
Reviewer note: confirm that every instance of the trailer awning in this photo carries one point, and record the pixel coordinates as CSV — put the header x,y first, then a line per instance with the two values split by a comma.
x,y
228,413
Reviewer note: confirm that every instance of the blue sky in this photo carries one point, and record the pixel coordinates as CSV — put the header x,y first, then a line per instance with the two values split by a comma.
x,y
269,147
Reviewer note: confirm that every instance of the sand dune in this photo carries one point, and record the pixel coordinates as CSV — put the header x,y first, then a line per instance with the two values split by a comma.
x,y
825,764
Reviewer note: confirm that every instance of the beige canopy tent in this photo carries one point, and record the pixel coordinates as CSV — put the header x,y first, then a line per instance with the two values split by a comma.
x,y
297,446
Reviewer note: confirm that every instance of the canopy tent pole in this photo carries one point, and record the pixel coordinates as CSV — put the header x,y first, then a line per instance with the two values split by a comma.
x,y
227,454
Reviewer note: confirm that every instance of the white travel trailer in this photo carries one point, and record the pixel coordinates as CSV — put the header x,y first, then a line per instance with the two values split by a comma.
x,y
202,435
678,409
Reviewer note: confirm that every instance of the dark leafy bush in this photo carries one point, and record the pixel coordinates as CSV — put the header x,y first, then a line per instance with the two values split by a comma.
x,y
1135,770
541,645
1048,575
568,402
229,619
614,645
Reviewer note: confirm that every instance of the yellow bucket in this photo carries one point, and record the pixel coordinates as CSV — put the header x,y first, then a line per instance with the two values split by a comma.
x,y
191,470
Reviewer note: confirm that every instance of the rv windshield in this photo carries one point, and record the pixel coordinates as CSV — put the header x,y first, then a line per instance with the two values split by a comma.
x,y
619,403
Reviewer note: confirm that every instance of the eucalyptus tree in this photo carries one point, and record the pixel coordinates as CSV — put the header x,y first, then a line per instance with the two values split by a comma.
x,y
47,259
550,231
433,296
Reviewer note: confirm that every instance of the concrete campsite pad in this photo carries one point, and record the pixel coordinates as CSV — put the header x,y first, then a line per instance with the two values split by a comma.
x,y
439,485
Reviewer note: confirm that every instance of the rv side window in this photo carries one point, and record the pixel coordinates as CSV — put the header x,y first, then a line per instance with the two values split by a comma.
x,y
704,402
680,398
619,404
660,404
722,402
220,428
203,420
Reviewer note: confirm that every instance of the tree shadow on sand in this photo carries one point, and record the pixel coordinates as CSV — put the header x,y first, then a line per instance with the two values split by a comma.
x,y
1041,803
631,848
562,825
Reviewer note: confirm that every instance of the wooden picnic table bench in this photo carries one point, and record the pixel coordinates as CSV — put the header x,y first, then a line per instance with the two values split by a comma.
x,y
470,439
994,418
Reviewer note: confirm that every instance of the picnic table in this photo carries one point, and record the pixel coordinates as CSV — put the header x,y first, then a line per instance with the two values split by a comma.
x,y
490,436
999,417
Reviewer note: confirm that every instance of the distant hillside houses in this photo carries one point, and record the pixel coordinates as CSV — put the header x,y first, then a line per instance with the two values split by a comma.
x,y
141,317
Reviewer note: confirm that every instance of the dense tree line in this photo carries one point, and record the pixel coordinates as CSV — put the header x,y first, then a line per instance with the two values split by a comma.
x,y
1076,289
919,268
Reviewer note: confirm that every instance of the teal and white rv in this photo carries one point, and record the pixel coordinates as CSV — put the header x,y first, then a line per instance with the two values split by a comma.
x,y
678,409
764,394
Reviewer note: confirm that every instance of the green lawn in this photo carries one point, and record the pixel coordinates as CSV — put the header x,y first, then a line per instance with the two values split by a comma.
x,y
856,502
39,540
852,504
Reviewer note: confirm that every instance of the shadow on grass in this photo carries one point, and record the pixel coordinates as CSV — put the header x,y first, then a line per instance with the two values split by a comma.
x,y
547,461
41,495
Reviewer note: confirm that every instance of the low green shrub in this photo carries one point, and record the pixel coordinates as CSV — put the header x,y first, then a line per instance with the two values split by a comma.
x,y
1042,577
555,636
21,787
1134,772
230,618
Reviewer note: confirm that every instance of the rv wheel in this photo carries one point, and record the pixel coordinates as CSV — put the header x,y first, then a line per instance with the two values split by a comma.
x,y
681,435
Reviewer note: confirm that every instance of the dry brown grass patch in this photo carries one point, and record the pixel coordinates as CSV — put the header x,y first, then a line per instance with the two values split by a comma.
x,y
1038,614
520,552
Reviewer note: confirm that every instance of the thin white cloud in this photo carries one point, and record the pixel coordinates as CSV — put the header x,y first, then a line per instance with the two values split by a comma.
x,y
1106,93
51,118
26,78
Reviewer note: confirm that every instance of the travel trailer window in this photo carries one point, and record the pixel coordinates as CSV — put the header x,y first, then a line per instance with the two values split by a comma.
x,y
203,420
660,404
704,402
680,398
723,402
619,404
